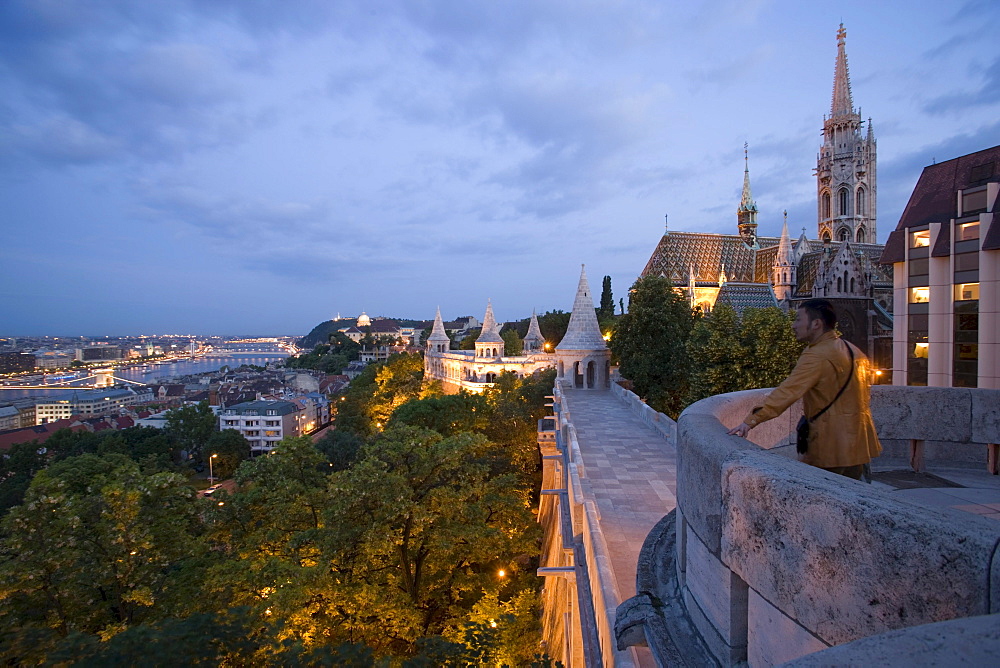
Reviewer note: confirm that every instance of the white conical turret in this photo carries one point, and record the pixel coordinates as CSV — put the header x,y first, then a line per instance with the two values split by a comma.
x,y
438,341
583,332
783,271
533,340
489,343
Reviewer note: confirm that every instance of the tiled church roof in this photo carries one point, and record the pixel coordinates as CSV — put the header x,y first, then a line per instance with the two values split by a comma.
x,y
746,295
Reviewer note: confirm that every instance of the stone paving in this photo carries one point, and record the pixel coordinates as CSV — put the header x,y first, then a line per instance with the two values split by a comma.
x,y
632,472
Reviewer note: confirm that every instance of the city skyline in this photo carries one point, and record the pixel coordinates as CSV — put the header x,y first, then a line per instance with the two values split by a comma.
x,y
229,168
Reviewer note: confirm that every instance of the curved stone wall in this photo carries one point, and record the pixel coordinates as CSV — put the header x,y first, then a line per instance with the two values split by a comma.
x,y
776,559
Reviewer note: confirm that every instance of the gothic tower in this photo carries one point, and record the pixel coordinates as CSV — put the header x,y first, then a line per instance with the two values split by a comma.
x,y
845,168
489,343
746,214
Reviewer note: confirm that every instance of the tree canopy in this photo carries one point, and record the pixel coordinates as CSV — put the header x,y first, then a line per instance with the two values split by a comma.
x,y
650,343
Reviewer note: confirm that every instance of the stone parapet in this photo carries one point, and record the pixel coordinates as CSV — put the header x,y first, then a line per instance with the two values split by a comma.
x,y
658,421
776,559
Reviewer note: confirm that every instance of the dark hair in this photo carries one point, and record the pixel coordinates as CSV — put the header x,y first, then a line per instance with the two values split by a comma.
x,y
820,309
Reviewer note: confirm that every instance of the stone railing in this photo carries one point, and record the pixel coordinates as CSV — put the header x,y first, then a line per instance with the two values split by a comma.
x,y
656,420
770,560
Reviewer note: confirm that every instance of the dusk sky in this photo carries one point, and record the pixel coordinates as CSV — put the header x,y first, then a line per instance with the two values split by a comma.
x,y
245,167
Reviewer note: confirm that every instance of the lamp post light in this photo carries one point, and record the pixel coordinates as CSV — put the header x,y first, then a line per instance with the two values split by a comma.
x,y
211,478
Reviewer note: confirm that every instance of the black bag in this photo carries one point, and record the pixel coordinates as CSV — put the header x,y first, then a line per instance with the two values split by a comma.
x,y
802,428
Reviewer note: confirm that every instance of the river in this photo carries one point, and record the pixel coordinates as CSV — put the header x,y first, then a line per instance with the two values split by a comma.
x,y
159,373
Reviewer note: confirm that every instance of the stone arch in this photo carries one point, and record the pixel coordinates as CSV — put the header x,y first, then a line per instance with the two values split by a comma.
x,y
852,284
861,235
591,374
844,202
839,285
825,199
826,235
859,206
844,234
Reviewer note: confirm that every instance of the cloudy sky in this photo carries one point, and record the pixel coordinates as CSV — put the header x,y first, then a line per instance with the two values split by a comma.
x,y
250,167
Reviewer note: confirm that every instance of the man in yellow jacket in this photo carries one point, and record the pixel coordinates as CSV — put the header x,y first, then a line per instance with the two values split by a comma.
x,y
842,439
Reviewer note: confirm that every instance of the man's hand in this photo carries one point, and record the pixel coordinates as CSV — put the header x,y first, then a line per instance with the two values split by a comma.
x,y
742,430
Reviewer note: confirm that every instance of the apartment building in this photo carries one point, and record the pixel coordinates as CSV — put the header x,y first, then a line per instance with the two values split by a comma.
x,y
263,423
945,254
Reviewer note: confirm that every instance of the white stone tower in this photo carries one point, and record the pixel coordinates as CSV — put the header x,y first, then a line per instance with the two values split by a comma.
x,y
490,343
784,270
845,168
534,341
583,356
746,214
438,341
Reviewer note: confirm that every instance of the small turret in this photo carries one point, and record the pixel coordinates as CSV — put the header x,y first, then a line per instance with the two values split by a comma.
x,y
489,343
533,340
438,341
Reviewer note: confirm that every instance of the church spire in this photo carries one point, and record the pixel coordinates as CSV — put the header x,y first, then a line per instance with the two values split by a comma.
x,y
746,214
784,244
490,333
438,340
843,103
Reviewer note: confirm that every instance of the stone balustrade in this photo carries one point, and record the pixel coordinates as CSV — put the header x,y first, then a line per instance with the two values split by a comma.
x,y
770,560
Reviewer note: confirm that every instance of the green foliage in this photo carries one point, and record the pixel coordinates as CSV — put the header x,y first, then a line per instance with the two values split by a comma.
x,y
468,342
97,546
230,449
192,426
607,308
553,326
512,343
379,390
650,342
331,357
341,448
730,353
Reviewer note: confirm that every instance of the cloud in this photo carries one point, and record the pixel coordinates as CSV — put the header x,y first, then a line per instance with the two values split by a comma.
x,y
987,94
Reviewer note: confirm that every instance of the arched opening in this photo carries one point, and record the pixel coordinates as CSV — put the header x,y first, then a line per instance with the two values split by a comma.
x,y
852,284
861,235
577,376
844,197
826,204
607,374
840,287
826,235
844,234
591,370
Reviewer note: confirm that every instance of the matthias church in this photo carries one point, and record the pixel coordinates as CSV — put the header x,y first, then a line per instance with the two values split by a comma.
x,y
841,264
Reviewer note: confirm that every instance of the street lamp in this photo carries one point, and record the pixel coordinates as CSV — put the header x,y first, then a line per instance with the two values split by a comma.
x,y
211,478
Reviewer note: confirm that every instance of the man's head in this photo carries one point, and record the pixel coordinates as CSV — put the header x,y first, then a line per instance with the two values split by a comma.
x,y
814,318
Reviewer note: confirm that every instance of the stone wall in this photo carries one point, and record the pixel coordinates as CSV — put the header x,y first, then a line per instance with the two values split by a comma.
x,y
776,559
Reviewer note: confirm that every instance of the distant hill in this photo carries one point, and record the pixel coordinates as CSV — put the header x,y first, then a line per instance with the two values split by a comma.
x,y
321,333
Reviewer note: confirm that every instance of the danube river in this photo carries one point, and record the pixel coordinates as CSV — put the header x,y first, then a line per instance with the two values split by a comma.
x,y
159,373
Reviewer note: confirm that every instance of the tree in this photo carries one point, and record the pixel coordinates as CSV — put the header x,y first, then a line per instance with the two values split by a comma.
x,y
97,546
512,343
607,308
553,326
372,397
730,353
468,342
650,342
192,426
230,449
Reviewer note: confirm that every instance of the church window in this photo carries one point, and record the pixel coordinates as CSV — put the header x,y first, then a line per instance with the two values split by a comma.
x,y
860,208
852,284
861,235
826,235
840,287
843,196
845,281
844,235
826,205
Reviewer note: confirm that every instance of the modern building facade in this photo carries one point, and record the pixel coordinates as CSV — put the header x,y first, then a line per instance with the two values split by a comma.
x,y
945,255
264,423
87,403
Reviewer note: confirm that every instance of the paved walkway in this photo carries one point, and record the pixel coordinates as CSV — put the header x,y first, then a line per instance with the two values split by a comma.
x,y
632,472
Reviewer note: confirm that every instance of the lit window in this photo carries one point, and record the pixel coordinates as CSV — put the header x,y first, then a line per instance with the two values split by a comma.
x,y
920,239
966,291
920,295
920,350
967,231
